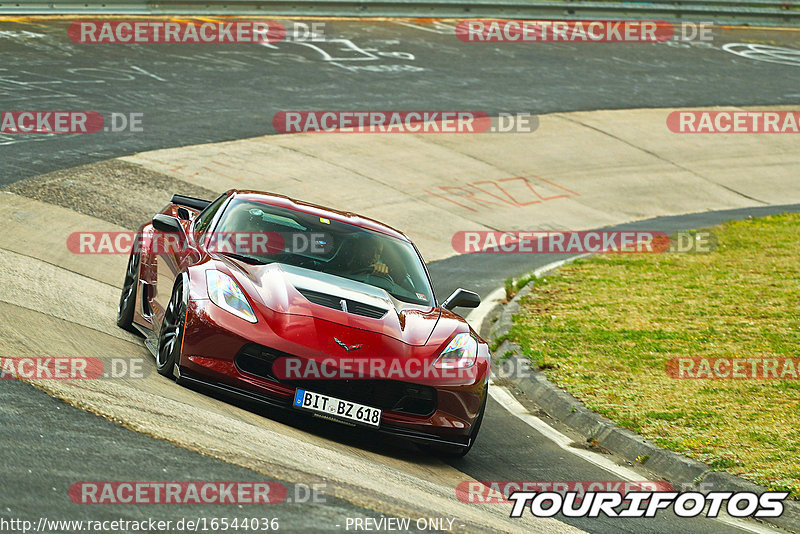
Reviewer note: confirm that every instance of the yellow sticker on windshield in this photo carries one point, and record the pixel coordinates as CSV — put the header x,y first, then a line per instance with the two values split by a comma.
x,y
324,220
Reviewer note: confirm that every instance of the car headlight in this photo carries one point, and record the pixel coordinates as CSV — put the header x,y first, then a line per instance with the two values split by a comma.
x,y
225,293
461,352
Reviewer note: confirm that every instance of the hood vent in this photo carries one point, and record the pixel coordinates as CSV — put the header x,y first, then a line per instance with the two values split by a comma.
x,y
345,305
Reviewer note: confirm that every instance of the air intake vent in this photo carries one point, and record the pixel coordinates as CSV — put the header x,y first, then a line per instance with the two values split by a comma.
x,y
323,299
353,306
366,310
257,360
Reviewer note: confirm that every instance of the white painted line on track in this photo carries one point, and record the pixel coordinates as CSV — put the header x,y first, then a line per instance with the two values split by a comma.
x,y
505,399
476,316
747,525
513,406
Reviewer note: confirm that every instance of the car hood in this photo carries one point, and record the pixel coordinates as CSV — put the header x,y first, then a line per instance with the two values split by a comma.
x,y
285,289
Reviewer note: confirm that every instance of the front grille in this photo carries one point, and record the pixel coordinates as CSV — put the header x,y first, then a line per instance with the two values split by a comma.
x,y
353,306
413,399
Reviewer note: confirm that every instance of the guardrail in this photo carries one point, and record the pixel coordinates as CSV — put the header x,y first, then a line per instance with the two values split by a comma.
x,y
752,12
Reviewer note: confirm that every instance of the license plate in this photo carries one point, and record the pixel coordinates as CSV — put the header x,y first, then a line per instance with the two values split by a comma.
x,y
337,408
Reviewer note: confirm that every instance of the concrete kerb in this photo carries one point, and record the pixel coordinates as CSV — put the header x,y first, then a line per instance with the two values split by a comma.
x,y
681,471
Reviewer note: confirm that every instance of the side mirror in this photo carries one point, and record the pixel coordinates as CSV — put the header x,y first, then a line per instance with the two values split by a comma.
x,y
167,224
463,298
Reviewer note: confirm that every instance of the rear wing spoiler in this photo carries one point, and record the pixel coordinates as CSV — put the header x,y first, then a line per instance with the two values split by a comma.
x,y
190,202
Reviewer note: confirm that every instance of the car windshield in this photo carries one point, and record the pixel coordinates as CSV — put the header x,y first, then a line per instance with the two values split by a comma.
x,y
261,233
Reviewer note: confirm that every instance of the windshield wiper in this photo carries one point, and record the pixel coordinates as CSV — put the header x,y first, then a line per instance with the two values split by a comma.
x,y
241,257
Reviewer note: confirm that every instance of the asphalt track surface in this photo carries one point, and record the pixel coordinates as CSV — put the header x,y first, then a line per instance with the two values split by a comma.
x,y
190,94
194,94
47,445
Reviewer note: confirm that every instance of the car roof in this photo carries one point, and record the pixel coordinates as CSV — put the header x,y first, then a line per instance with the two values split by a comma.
x,y
319,211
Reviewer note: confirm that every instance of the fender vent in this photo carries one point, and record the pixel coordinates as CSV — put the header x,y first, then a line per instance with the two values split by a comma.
x,y
334,302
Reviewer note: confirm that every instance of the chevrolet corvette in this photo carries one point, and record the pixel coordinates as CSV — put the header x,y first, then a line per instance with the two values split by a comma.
x,y
296,306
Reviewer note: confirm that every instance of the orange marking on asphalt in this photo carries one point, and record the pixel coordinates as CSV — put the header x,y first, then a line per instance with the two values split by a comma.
x,y
30,19
19,20
776,28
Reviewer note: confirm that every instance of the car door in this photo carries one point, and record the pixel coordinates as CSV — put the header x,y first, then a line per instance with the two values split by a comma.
x,y
173,260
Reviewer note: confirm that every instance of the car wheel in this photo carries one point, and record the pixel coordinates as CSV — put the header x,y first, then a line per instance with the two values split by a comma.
x,y
170,338
459,452
127,299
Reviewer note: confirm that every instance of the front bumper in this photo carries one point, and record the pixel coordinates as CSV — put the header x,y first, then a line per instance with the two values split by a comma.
x,y
214,338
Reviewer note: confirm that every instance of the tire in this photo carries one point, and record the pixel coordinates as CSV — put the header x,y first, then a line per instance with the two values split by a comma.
x,y
456,451
127,299
170,337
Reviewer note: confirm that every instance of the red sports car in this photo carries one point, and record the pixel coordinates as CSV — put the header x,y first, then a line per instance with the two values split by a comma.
x,y
294,305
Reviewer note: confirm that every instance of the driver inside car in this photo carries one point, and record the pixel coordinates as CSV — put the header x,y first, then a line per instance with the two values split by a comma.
x,y
367,255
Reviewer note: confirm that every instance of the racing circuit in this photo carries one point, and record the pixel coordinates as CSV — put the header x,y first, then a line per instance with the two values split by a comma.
x,y
580,169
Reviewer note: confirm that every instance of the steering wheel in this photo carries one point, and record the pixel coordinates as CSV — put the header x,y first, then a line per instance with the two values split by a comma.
x,y
370,271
